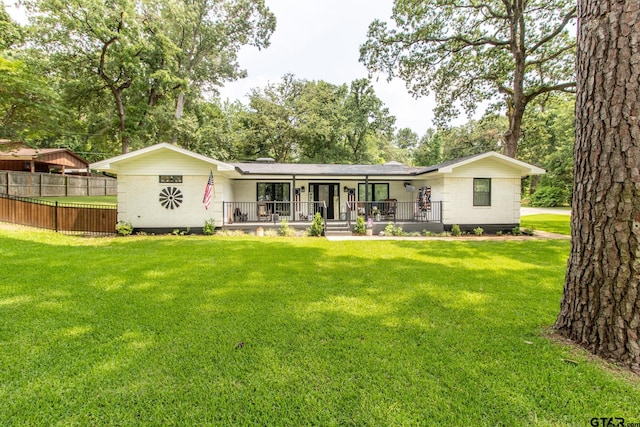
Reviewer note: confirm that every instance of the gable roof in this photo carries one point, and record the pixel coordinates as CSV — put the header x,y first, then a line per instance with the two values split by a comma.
x,y
16,151
109,165
524,168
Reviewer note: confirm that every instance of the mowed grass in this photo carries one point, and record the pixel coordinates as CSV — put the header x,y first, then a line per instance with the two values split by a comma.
x,y
171,330
560,224
86,200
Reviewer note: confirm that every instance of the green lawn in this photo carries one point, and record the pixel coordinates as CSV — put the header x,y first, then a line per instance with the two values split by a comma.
x,y
88,200
560,224
194,330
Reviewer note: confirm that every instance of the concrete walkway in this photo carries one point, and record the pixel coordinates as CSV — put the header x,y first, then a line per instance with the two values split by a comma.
x,y
537,235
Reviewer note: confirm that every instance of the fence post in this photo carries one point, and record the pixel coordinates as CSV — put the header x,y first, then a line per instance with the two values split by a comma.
x,y
55,217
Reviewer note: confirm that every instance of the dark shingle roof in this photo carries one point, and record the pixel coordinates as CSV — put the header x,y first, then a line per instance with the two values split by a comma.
x,y
323,169
300,169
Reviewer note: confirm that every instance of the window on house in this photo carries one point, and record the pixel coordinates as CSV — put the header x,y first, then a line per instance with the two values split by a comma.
x,y
170,179
482,192
274,191
379,191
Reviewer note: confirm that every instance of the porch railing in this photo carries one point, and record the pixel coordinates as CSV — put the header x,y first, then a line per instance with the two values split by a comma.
x,y
396,211
272,211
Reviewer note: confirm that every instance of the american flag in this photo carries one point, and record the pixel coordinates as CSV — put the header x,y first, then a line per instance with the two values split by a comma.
x,y
207,191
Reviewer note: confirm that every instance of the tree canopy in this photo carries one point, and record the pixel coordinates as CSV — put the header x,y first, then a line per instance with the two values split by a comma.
x,y
300,120
469,52
104,77
145,56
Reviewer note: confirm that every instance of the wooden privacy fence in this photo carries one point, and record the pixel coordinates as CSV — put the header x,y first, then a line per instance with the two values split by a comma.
x,y
28,184
61,217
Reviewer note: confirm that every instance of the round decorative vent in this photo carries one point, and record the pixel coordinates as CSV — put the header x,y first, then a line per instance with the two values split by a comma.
x,y
171,197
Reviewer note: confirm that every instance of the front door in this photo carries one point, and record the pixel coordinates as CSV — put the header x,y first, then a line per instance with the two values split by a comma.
x,y
326,193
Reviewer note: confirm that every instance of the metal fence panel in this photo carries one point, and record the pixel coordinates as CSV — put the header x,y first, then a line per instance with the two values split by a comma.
x,y
63,217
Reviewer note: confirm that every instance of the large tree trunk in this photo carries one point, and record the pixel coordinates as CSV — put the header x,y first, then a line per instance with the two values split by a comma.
x,y
179,113
600,308
513,134
122,118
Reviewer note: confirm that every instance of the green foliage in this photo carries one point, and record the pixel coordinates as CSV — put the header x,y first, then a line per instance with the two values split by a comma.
x,y
429,150
286,230
317,225
29,108
10,32
392,230
468,54
478,231
359,227
516,231
548,142
455,230
135,71
527,231
549,197
209,227
316,122
124,228
473,137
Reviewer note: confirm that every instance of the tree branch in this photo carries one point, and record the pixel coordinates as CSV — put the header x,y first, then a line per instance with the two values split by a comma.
x,y
487,8
544,89
568,17
555,55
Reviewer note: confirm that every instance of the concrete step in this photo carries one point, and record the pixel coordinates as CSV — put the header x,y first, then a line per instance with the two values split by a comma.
x,y
337,229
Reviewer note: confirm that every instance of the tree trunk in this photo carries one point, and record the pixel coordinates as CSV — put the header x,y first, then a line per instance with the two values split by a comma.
x,y
600,307
516,105
179,113
122,117
124,139
512,136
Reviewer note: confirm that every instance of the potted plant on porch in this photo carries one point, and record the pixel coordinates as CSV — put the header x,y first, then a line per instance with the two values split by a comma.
x,y
369,227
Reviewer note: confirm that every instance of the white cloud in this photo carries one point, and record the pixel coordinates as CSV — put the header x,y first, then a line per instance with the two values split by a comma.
x,y
320,40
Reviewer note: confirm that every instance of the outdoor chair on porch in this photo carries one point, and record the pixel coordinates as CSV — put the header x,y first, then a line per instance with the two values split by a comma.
x,y
389,207
263,214
238,216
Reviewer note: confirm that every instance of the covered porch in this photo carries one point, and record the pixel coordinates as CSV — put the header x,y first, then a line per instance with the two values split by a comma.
x,y
411,216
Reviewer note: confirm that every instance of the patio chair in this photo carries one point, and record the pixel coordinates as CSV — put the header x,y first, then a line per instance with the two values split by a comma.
x,y
263,215
238,216
389,208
